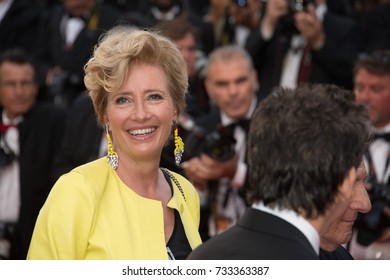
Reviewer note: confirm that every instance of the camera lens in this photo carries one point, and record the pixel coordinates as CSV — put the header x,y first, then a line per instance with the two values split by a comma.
x,y
219,147
241,3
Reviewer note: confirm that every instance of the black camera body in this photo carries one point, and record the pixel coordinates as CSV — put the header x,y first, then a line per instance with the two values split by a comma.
x,y
370,225
299,5
287,21
293,5
59,82
65,87
218,144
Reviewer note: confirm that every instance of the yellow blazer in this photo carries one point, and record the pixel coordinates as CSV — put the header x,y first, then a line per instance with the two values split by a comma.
x,y
91,214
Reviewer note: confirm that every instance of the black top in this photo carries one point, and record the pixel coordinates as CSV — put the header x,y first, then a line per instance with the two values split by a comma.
x,y
178,242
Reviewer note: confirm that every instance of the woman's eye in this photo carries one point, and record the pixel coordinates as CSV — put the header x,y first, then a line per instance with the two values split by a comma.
x,y
154,97
121,100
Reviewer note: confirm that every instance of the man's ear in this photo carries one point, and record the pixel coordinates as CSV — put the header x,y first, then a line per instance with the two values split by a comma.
x,y
208,87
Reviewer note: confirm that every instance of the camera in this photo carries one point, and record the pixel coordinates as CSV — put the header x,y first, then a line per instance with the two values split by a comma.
x,y
64,88
293,5
287,21
58,83
370,225
219,144
298,5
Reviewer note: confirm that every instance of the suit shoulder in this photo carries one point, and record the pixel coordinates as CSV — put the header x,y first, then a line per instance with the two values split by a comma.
x,y
43,108
219,247
46,113
339,21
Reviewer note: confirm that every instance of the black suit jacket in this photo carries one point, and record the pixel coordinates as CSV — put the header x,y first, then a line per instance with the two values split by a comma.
x,y
332,64
20,26
40,135
377,28
257,236
82,138
339,254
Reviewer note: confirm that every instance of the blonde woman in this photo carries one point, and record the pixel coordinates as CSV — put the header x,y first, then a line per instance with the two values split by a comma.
x,y
125,206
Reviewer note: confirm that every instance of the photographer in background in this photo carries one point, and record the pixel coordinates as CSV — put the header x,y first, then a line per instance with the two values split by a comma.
x,y
215,151
372,88
302,41
67,36
30,135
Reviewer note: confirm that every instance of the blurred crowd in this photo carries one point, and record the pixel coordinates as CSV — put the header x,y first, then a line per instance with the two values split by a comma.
x,y
61,34
283,43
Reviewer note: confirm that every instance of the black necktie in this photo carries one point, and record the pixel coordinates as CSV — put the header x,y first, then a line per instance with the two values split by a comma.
x,y
229,129
243,123
84,18
384,136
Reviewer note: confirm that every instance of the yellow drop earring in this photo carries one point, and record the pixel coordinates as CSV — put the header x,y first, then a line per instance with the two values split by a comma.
x,y
179,147
112,156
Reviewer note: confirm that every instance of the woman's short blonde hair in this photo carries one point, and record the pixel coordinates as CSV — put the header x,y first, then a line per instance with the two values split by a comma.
x,y
118,49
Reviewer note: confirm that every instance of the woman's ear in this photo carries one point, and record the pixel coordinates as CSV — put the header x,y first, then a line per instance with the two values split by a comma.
x,y
175,117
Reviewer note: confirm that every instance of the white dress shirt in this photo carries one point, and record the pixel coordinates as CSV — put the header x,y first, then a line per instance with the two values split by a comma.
x,y
379,150
10,177
71,28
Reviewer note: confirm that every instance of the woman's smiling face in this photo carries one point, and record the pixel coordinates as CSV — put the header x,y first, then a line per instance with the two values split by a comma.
x,y
141,113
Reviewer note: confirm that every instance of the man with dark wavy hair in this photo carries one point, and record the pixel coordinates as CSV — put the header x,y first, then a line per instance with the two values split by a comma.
x,y
304,148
